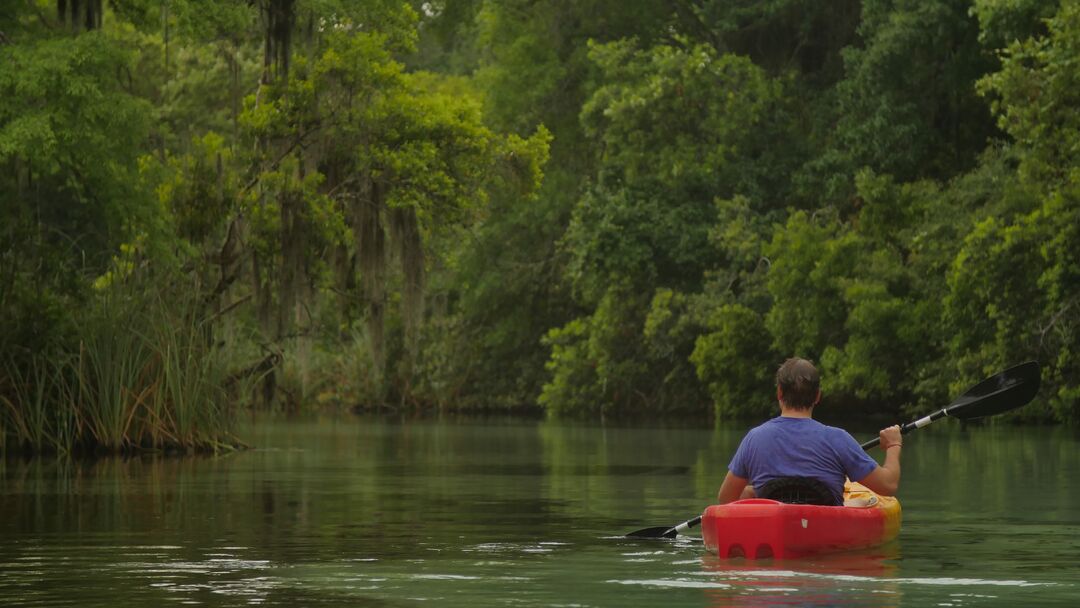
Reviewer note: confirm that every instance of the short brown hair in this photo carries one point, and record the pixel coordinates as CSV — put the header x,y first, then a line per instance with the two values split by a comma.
x,y
799,383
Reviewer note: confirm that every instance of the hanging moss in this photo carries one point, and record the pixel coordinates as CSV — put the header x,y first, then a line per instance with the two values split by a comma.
x,y
371,248
85,14
405,232
279,17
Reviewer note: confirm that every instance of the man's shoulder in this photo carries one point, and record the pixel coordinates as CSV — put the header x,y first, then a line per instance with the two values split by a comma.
x,y
768,426
840,437
833,429
781,425
762,430
834,432
814,430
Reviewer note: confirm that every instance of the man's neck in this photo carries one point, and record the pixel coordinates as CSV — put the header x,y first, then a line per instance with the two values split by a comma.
x,y
790,412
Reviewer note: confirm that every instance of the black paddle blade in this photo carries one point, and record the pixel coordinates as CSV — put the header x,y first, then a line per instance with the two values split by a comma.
x,y
666,531
654,532
1012,388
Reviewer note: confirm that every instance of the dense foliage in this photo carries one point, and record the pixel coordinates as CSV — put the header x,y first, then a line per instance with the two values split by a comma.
x,y
627,208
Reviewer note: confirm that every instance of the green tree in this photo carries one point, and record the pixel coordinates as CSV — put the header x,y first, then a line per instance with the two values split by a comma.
x,y
530,64
398,157
676,128
907,106
70,135
733,359
859,295
1013,287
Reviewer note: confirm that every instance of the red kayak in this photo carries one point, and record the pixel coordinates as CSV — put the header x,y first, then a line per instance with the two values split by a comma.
x,y
758,528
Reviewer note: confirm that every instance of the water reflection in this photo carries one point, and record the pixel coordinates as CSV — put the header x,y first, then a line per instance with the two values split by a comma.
x,y
347,511
825,580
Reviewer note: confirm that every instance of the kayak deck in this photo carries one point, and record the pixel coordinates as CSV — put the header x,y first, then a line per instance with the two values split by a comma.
x,y
758,528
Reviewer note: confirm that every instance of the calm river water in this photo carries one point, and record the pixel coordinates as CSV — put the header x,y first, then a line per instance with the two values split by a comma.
x,y
349,511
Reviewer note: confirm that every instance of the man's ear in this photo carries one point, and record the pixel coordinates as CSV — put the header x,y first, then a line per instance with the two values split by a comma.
x,y
779,394
817,399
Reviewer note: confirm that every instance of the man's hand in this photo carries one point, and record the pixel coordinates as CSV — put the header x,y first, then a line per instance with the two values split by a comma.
x,y
890,437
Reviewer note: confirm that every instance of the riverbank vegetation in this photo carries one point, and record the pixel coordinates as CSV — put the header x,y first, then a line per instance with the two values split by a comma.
x,y
594,208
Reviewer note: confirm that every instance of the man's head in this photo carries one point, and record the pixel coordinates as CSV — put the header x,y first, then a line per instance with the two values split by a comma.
x,y
798,384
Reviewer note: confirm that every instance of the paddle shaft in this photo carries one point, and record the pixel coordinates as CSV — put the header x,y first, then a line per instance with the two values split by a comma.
x,y
911,426
686,525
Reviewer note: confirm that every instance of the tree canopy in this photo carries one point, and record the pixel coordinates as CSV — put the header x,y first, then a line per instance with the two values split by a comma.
x,y
583,207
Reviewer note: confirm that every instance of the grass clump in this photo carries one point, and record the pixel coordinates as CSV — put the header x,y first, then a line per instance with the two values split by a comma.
x,y
141,371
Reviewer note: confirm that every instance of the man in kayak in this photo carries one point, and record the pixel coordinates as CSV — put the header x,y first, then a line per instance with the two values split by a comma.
x,y
795,445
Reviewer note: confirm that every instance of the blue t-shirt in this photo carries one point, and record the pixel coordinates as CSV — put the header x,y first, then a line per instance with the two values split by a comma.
x,y
801,447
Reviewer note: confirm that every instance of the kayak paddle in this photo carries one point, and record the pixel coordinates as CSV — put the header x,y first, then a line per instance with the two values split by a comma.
x,y
1008,390
665,531
1012,388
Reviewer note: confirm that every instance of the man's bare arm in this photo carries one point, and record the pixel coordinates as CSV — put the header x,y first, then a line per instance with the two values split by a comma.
x,y
731,490
885,479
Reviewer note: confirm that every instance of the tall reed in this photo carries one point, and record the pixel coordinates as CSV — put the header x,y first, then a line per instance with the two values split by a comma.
x,y
142,374
27,410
